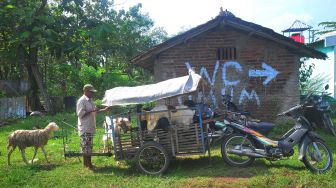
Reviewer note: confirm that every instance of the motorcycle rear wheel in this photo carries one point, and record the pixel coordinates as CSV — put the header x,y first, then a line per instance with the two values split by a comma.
x,y
318,161
234,142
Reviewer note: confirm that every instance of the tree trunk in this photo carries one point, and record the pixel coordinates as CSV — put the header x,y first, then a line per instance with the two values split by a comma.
x,y
38,78
33,99
106,72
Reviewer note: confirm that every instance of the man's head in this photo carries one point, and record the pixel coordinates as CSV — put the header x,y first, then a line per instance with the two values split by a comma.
x,y
88,90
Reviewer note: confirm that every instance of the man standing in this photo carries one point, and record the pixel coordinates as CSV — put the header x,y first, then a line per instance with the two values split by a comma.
x,y
86,112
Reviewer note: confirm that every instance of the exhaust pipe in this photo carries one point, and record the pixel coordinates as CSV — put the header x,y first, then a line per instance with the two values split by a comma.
x,y
246,153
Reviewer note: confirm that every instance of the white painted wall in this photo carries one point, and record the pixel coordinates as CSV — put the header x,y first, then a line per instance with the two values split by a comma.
x,y
325,67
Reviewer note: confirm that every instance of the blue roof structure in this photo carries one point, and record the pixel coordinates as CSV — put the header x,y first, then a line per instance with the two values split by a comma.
x,y
298,26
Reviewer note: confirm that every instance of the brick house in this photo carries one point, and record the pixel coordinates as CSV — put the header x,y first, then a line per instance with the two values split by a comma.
x,y
254,64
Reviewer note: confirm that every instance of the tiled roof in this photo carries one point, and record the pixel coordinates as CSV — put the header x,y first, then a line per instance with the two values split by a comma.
x,y
226,17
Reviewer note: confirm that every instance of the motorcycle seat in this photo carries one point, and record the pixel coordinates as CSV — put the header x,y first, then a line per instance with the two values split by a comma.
x,y
261,127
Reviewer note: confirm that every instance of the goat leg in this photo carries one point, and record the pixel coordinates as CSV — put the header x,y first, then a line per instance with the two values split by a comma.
x,y
23,154
10,153
36,148
45,154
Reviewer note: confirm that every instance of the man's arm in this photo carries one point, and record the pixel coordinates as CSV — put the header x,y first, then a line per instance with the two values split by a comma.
x,y
80,109
106,109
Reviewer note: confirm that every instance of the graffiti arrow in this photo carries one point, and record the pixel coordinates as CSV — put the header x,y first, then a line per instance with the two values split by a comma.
x,y
268,72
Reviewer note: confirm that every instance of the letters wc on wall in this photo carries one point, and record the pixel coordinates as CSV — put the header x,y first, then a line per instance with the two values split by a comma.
x,y
267,72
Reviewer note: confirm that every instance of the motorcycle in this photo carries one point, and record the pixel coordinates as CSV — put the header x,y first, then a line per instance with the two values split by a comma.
x,y
218,129
245,144
255,124
318,111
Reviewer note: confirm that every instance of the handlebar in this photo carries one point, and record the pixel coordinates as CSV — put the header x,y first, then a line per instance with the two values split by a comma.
x,y
281,114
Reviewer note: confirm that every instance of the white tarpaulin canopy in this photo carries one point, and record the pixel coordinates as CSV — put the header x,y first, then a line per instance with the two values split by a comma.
x,y
152,92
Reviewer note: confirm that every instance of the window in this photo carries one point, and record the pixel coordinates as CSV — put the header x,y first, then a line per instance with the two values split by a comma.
x,y
226,53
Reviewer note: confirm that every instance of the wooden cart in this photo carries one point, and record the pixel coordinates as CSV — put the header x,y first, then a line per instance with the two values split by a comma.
x,y
153,150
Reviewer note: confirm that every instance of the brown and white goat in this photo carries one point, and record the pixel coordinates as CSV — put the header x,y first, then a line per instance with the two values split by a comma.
x,y
30,138
120,125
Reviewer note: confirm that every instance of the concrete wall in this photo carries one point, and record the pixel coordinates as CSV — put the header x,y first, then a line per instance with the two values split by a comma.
x,y
15,88
12,107
326,67
244,77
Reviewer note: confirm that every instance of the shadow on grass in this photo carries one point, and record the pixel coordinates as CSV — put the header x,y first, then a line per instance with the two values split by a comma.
x,y
44,167
190,167
129,171
215,167
203,167
288,166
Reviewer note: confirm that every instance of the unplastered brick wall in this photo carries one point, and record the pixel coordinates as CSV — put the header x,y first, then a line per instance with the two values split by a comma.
x,y
263,77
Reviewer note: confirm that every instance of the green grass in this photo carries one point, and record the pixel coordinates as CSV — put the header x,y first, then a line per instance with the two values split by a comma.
x,y
194,171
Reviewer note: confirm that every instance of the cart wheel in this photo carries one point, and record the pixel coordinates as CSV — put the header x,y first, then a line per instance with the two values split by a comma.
x,y
152,158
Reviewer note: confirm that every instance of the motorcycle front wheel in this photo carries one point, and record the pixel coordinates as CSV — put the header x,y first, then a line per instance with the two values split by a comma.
x,y
318,157
232,150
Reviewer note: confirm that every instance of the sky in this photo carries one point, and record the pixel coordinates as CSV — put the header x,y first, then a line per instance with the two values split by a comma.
x,y
180,15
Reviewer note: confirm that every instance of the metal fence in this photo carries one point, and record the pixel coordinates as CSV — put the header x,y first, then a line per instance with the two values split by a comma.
x,y
12,107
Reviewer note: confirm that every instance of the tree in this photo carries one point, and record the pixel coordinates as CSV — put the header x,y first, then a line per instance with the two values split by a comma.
x,y
327,27
305,73
50,41
24,27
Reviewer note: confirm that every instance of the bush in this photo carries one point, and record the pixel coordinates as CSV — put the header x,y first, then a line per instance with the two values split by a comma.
x,y
332,102
63,80
90,75
2,94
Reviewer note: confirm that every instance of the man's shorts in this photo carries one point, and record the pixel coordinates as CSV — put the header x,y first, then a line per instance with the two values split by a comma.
x,y
86,142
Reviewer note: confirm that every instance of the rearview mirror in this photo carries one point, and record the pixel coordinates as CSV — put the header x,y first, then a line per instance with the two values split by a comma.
x,y
326,87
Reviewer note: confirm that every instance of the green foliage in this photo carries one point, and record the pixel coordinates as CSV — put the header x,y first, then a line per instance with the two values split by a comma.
x,y
149,105
332,102
305,73
90,75
2,94
63,80
98,103
327,27
77,42
316,83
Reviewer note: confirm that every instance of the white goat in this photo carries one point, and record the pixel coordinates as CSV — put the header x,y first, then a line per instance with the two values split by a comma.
x,y
30,138
182,117
178,117
120,125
